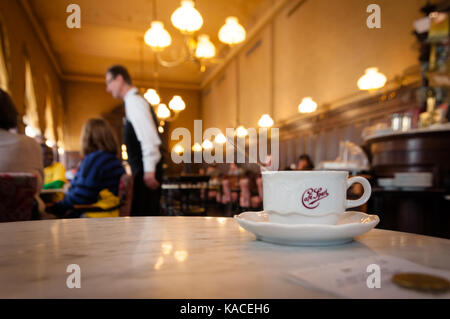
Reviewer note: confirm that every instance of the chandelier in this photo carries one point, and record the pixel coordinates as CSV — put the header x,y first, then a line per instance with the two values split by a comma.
x,y
199,48
164,113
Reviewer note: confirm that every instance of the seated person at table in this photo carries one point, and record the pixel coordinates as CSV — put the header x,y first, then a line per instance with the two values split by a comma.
x,y
19,153
249,191
97,180
212,170
234,170
70,174
305,163
54,172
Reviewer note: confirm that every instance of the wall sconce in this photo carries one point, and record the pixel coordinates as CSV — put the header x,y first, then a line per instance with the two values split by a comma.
x,y
265,121
197,147
207,145
162,112
241,131
178,149
371,80
220,139
307,105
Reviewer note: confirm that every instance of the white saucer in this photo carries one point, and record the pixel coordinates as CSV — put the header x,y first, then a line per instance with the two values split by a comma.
x,y
350,224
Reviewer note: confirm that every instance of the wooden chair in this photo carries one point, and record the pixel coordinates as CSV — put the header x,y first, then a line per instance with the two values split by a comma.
x,y
17,191
125,200
126,194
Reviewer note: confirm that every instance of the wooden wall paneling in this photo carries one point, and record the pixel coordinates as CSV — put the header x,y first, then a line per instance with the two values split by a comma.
x,y
378,107
333,144
300,146
320,146
310,146
290,152
282,155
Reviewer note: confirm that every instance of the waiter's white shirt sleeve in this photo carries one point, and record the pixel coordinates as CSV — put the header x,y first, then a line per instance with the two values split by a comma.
x,y
137,111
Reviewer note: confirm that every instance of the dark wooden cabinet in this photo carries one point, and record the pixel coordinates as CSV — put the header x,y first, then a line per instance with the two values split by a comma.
x,y
423,211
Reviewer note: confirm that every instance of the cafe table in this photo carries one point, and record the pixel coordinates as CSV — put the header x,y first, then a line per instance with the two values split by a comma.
x,y
178,258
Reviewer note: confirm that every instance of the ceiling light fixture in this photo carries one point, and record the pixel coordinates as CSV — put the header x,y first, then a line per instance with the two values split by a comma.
x,y
188,21
162,112
177,104
152,97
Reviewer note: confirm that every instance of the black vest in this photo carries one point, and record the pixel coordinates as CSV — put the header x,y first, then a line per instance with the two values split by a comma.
x,y
134,149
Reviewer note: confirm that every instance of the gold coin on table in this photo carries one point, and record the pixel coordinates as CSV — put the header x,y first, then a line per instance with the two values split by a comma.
x,y
422,282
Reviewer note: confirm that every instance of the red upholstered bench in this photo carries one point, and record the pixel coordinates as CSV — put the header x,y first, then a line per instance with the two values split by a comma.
x,y
17,191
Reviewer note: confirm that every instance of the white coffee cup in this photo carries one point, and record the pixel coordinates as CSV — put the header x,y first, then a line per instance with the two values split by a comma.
x,y
310,197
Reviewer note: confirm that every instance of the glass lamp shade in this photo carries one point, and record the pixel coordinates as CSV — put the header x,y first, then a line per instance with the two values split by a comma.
x,y
186,18
124,152
178,149
307,105
157,37
163,112
265,121
232,32
371,80
220,139
241,131
152,97
31,131
205,48
177,104
197,147
207,145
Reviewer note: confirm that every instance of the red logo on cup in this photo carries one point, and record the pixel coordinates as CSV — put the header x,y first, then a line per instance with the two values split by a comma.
x,y
312,196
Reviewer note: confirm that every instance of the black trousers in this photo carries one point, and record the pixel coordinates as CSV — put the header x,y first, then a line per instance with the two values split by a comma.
x,y
146,202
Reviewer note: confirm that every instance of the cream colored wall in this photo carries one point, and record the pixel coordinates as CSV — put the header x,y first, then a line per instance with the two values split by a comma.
x,y
219,100
21,35
321,50
84,100
255,79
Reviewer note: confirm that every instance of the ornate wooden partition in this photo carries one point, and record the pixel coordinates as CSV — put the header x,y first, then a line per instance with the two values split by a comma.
x,y
319,135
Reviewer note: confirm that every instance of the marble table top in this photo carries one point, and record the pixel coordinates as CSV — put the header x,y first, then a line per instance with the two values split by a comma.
x,y
177,257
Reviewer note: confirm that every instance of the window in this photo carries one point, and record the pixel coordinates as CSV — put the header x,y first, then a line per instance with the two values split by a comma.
x,y
4,55
49,133
31,117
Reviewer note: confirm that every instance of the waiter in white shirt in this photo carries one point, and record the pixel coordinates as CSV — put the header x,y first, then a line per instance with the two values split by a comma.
x,y
142,140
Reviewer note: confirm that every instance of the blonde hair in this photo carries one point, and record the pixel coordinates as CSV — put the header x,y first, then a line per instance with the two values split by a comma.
x,y
97,135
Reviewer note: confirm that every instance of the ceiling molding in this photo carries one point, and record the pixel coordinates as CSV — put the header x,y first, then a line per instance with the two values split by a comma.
x,y
42,35
137,82
44,40
253,33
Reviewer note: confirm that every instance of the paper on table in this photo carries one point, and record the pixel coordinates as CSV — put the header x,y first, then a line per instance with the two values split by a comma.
x,y
349,278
